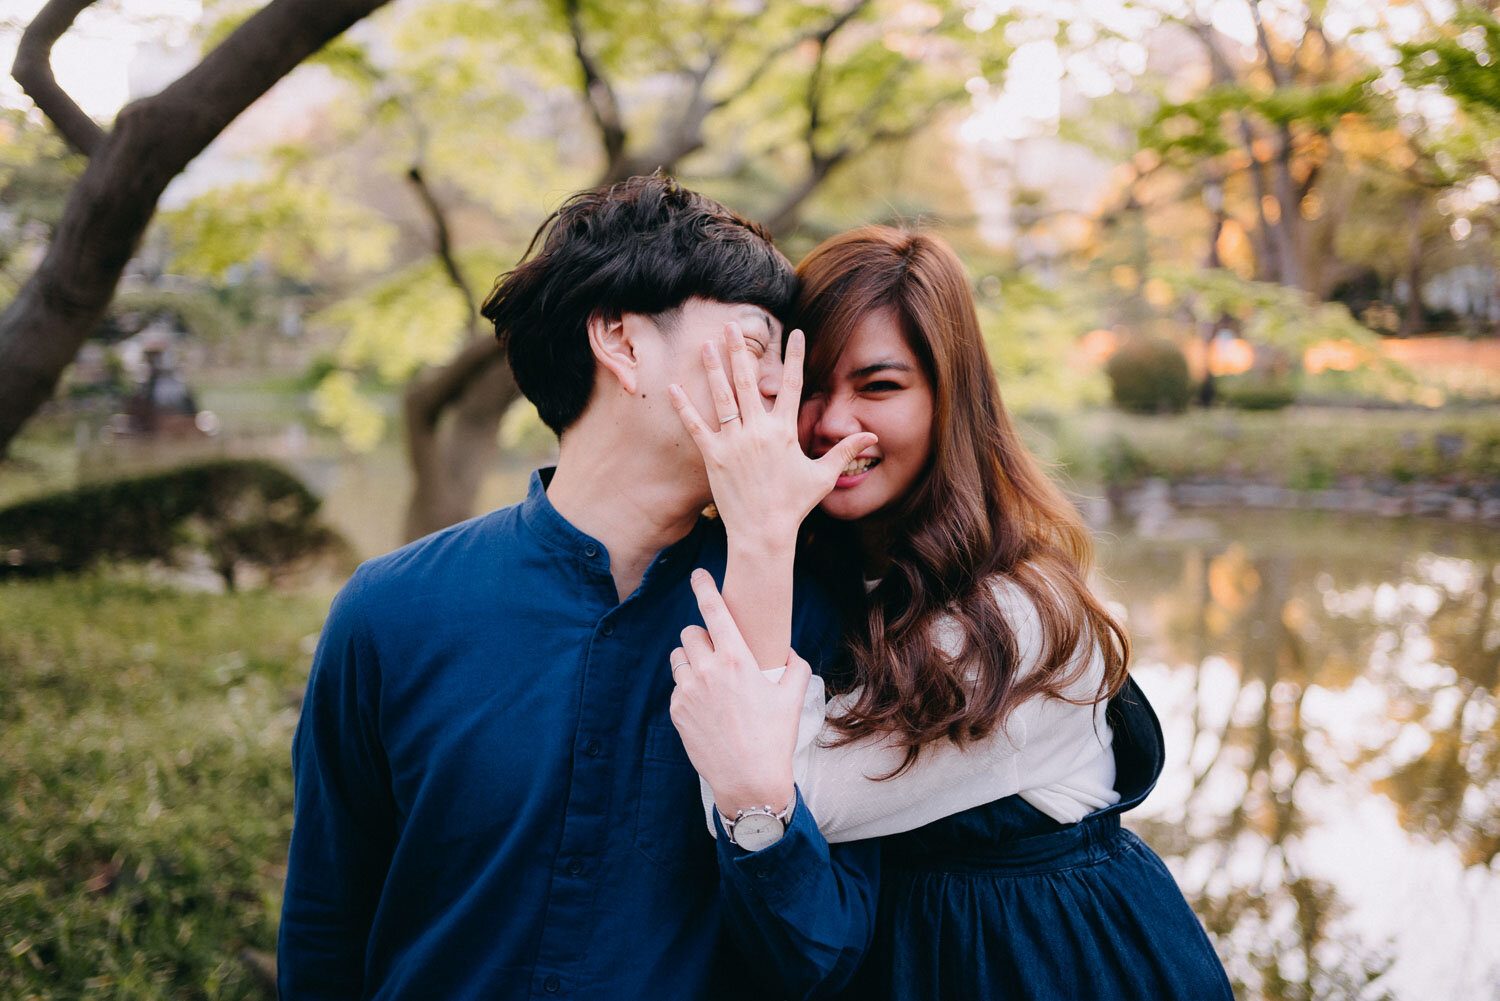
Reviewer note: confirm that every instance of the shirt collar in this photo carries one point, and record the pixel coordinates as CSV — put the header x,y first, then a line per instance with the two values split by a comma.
x,y
552,528
556,531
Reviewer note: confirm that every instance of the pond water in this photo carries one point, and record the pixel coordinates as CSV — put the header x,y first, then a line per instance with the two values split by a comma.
x,y
1327,687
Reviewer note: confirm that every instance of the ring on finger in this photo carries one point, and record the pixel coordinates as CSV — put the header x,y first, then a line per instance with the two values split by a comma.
x,y
676,666
725,420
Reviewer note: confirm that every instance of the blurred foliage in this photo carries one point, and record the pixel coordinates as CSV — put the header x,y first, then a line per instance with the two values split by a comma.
x,y
1032,333
145,798
339,403
1186,132
1306,448
36,172
1252,392
233,512
1149,375
206,313
1272,314
392,328
298,230
1461,57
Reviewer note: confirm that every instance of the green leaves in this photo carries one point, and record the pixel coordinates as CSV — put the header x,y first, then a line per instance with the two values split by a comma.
x,y
301,230
390,330
1032,333
1462,58
1199,128
1273,314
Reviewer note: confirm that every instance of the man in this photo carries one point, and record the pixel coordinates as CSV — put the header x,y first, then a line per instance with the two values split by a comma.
x,y
491,800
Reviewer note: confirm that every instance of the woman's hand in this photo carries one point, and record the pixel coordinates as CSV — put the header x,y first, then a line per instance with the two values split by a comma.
x,y
739,727
763,484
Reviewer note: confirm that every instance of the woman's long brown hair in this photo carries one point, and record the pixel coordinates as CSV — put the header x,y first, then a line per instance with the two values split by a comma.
x,y
983,512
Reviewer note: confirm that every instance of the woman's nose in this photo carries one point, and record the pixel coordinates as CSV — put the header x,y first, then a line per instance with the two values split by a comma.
x,y
837,420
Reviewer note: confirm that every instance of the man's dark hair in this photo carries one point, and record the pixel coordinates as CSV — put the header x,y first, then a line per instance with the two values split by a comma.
x,y
645,245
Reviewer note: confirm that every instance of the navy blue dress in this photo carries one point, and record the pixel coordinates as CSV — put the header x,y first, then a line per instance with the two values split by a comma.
x,y
1003,902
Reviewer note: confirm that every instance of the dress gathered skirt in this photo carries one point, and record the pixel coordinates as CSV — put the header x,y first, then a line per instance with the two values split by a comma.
x,y
1003,903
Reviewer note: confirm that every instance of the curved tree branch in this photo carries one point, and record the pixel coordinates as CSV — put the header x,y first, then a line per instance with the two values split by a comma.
x,y
32,69
443,242
435,389
822,35
108,209
597,91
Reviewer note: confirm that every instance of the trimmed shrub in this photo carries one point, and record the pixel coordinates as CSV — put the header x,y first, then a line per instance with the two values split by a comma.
x,y
1245,393
235,511
1149,375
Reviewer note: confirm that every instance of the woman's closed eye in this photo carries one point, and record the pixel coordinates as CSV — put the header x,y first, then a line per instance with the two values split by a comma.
x,y
881,386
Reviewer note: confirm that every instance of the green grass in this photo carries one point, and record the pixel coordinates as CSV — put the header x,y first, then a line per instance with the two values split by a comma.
x,y
145,786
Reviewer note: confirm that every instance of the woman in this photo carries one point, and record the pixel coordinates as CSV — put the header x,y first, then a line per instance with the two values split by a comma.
x,y
986,724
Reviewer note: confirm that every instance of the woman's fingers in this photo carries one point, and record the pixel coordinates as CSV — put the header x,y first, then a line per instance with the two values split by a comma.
x,y
845,452
678,660
790,396
697,646
696,426
725,405
722,631
746,381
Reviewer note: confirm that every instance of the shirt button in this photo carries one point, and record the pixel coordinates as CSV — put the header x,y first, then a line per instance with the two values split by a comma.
x,y
590,551
592,748
551,984
762,873
575,867
608,629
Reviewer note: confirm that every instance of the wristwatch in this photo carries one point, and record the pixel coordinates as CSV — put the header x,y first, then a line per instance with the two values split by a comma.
x,y
757,827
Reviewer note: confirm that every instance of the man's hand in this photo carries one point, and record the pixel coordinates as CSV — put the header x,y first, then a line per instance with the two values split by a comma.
x,y
739,728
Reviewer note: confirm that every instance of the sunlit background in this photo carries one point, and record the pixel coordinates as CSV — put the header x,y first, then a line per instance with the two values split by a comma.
x,y
1236,264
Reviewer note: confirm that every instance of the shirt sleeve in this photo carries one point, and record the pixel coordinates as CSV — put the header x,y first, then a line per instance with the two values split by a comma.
x,y
342,826
1044,743
801,911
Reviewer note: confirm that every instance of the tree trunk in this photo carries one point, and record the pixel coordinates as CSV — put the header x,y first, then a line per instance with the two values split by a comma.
x,y
1287,230
452,422
108,210
1411,316
1207,390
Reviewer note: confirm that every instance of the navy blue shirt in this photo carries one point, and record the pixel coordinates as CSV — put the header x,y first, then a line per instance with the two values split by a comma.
x,y
492,802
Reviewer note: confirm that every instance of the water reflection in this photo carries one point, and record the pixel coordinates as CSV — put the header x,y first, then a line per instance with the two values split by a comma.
x,y
1332,802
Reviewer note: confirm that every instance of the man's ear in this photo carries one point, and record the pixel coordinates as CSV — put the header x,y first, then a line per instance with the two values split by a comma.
x,y
610,338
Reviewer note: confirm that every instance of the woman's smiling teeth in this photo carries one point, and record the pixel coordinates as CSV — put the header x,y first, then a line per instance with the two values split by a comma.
x,y
860,465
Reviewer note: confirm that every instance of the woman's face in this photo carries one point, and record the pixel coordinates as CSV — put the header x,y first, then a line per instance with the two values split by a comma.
x,y
877,385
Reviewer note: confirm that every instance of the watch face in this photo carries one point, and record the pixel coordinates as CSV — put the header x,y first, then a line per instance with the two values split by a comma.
x,y
756,831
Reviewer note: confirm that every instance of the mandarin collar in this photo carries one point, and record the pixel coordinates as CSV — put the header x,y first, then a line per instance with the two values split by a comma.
x,y
556,531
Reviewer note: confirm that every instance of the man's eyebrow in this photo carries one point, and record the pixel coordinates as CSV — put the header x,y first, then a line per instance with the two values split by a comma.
x,y
880,366
757,313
